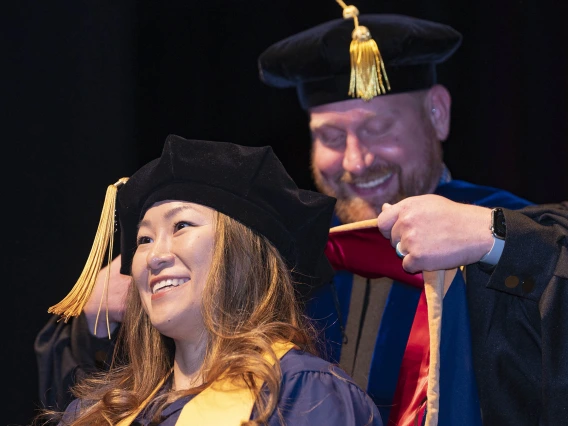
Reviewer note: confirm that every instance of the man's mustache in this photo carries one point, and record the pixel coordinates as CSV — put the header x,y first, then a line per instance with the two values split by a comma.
x,y
370,174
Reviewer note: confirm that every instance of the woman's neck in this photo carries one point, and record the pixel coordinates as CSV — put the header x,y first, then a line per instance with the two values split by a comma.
x,y
188,364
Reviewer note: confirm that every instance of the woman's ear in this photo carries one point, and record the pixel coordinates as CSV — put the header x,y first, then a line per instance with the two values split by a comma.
x,y
438,102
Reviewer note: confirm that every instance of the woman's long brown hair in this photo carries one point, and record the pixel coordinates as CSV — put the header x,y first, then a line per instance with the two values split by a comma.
x,y
248,303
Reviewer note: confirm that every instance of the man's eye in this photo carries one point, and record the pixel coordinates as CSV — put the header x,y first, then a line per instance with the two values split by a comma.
x,y
332,139
377,128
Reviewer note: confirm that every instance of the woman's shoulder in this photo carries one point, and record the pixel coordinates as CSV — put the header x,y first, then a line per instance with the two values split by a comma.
x,y
314,371
298,362
315,391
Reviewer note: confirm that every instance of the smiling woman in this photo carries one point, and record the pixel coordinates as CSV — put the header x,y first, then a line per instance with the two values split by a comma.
x,y
222,247
171,264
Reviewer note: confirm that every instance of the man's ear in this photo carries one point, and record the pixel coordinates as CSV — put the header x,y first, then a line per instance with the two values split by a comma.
x,y
439,102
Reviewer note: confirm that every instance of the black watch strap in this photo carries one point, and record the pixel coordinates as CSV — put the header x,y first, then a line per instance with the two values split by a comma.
x,y
498,225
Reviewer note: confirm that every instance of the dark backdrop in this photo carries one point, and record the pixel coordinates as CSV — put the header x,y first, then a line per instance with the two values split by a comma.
x,y
91,89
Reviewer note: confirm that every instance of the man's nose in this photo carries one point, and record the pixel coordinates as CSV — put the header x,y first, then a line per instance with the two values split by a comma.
x,y
356,157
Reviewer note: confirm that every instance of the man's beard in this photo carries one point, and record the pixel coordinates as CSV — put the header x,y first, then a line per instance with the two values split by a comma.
x,y
353,208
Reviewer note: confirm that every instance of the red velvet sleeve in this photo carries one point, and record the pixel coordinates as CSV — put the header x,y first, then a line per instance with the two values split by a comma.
x,y
367,253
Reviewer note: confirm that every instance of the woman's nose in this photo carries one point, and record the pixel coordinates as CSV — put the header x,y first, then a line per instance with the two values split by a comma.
x,y
160,256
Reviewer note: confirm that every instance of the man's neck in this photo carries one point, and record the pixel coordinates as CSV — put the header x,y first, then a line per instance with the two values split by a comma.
x,y
446,175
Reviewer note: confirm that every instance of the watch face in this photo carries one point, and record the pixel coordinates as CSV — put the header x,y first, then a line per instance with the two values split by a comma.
x,y
498,226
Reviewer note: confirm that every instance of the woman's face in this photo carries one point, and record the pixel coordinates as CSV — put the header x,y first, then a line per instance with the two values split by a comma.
x,y
171,265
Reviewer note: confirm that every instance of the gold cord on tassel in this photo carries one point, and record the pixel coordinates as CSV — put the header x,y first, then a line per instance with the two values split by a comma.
x,y
73,304
368,75
104,296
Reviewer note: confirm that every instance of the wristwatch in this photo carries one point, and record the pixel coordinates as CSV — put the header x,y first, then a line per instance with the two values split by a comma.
x,y
499,230
498,225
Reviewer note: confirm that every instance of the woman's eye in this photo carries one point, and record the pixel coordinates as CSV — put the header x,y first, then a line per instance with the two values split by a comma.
x,y
181,225
143,240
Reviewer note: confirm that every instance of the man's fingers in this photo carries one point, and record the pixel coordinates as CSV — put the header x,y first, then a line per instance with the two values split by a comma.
x,y
386,219
409,266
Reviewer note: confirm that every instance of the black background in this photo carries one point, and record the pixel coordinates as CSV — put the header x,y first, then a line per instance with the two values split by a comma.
x,y
90,90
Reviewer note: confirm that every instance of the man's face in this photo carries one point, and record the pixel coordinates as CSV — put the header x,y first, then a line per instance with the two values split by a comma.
x,y
369,153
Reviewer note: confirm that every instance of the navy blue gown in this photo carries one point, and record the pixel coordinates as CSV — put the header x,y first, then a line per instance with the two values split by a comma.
x,y
313,392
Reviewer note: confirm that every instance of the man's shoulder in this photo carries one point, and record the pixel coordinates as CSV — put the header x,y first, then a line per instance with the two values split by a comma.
x,y
467,192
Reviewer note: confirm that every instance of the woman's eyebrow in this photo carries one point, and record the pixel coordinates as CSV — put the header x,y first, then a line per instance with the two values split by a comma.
x,y
170,213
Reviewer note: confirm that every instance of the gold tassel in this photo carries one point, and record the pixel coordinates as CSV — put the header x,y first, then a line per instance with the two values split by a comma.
x,y
368,75
73,304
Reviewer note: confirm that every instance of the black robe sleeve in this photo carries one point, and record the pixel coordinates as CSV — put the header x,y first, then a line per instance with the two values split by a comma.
x,y
65,353
519,321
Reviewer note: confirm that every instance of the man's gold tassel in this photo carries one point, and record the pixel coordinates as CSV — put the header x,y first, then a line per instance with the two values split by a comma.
x,y
367,66
72,305
368,75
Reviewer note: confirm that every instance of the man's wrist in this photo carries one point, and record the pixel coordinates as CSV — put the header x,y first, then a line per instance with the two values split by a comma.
x,y
498,228
492,257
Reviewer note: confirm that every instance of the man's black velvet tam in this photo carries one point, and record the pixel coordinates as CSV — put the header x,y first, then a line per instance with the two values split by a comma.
x,y
317,62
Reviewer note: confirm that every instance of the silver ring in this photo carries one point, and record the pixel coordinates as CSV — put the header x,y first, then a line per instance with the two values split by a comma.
x,y
398,252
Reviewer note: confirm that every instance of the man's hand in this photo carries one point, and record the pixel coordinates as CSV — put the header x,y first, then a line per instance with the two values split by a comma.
x,y
436,233
118,285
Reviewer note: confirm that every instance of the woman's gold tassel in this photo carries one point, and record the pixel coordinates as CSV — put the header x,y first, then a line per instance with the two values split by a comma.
x,y
368,75
74,302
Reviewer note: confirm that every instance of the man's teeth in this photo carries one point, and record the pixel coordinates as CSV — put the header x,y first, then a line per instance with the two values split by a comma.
x,y
167,283
374,182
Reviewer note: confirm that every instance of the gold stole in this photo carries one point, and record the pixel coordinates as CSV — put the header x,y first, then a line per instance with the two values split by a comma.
x,y
222,403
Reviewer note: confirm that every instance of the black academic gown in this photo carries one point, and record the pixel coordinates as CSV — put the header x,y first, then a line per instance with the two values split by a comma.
x,y
65,352
519,322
